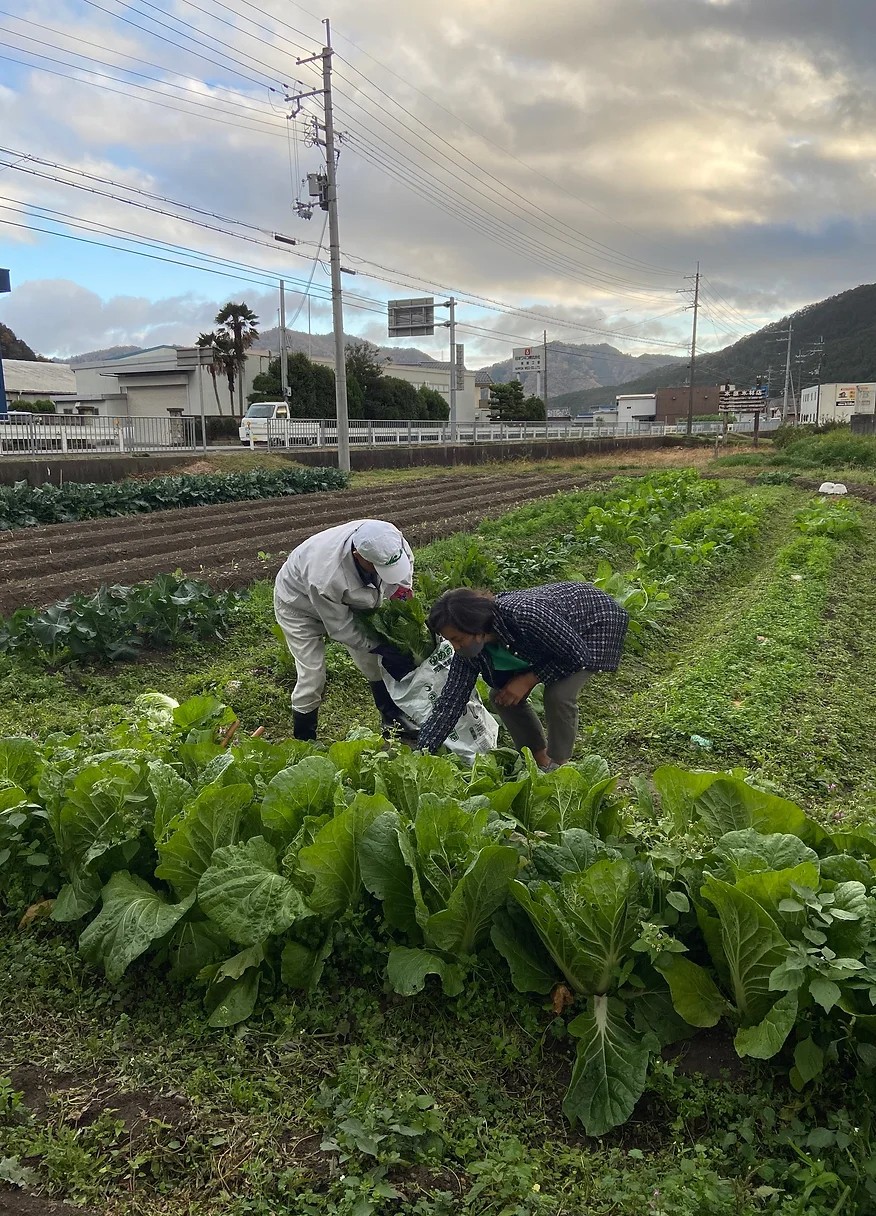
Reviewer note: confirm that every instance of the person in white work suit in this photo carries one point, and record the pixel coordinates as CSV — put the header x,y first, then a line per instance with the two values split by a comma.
x,y
321,587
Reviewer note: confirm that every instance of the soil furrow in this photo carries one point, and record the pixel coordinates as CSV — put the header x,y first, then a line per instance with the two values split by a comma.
x,y
233,561
71,551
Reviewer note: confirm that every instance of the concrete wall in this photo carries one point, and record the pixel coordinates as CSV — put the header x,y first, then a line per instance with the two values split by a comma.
x,y
60,469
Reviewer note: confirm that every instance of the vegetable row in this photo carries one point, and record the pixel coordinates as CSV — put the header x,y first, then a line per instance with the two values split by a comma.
x,y
26,506
237,865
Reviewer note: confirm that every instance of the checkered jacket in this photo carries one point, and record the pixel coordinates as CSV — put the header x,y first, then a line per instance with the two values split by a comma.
x,y
560,628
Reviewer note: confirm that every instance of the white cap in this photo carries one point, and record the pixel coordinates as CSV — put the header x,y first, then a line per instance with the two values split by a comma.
x,y
383,544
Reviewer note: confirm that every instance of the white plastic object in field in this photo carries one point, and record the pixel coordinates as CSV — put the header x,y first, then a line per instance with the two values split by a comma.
x,y
417,694
832,487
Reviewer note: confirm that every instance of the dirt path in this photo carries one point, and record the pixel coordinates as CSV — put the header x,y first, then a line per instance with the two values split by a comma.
x,y
222,544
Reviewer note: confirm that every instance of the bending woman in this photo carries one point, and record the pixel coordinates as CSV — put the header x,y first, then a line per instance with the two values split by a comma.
x,y
556,635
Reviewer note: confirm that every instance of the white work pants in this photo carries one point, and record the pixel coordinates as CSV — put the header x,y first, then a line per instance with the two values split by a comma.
x,y
305,636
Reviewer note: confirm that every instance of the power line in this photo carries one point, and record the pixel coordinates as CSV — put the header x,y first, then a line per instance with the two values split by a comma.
x,y
262,128
191,50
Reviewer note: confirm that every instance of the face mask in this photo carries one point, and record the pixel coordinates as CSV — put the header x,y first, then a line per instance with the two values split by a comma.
x,y
471,650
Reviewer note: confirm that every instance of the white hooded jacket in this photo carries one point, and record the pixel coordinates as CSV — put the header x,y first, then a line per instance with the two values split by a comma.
x,y
320,579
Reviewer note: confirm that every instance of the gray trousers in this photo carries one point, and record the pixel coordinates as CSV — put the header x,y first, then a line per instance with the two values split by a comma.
x,y
561,718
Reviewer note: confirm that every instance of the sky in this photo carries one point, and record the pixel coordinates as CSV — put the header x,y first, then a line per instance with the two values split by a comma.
x,y
560,166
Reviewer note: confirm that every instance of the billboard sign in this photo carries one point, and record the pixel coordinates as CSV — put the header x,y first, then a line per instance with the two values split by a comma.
x,y
460,366
411,318
528,359
846,395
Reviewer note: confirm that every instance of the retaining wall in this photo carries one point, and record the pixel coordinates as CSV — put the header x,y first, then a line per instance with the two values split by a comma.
x,y
79,468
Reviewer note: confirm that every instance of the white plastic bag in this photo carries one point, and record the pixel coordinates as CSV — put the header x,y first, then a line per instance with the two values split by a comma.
x,y
417,694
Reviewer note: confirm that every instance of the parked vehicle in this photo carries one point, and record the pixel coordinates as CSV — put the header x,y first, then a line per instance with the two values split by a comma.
x,y
269,422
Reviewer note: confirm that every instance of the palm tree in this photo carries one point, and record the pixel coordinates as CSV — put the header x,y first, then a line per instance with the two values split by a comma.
x,y
239,324
219,345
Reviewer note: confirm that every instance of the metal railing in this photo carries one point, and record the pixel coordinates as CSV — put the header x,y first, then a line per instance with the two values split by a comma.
x,y
297,432
40,433
62,433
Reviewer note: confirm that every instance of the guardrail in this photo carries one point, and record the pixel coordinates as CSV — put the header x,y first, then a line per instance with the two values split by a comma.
x,y
36,434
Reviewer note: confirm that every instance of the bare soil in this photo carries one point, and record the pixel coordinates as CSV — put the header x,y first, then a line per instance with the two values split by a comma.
x,y
221,544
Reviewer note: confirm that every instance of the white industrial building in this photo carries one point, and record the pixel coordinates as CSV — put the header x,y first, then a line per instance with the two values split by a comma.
x,y
30,380
167,381
836,402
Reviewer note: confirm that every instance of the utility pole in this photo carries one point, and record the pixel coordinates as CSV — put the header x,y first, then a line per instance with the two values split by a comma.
x,y
451,324
545,379
284,370
787,374
329,202
693,349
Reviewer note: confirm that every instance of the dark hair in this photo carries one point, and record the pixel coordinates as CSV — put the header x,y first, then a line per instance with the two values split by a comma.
x,y
463,609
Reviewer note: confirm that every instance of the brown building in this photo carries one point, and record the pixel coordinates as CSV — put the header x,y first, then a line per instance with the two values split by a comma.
x,y
672,403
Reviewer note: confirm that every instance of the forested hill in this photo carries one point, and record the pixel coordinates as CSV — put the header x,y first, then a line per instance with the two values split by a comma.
x,y
846,322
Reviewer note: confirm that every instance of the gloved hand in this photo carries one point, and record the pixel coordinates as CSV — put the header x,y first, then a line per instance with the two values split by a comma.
x,y
397,664
402,593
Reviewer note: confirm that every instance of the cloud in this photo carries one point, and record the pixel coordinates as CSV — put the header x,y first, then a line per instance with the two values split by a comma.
x,y
578,161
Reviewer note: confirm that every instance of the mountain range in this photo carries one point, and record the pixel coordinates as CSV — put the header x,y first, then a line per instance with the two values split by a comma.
x,y
833,341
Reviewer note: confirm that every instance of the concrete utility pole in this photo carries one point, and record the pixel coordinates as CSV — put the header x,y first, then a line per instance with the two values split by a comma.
x,y
545,374
787,372
329,202
451,324
693,349
284,370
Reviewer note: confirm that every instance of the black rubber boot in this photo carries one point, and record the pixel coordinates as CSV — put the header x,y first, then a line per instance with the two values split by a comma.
x,y
304,725
392,720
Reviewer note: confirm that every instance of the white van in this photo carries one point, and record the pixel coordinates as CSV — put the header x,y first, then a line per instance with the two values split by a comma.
x,y
269,422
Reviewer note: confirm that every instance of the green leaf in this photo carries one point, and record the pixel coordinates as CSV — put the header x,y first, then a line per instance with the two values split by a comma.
x,y
78,896
729,805
301,966
133,916
749,850
333,858
194,945
198,712
302,790
589,926
808,1060
464,923
824,992
171,792
448,836
610,1067
695,996
210,822
244,895
576,852
765,1040
570,797
771,888
232,1001
678,900
521,948
752,947
407,971
20,762
679,789
388,865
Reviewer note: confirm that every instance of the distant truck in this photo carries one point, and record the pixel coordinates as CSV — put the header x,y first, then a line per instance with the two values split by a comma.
x,y
269,422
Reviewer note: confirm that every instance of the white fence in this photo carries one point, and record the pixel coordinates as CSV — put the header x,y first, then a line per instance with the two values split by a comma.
x,y
42,433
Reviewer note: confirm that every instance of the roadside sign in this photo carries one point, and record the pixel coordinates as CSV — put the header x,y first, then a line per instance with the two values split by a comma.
x,y
528,359
460,366
411,318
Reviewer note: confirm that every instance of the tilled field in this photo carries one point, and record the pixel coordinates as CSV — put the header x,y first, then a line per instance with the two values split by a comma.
x,y
221,544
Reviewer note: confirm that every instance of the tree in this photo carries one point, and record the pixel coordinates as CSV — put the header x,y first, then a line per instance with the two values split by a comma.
x,y
311,387
240,324
13,347
219,345
433,407
507,404
365,362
